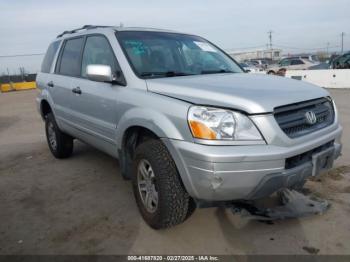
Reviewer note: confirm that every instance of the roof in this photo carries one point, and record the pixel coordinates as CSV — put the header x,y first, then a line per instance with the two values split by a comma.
x,y
82,30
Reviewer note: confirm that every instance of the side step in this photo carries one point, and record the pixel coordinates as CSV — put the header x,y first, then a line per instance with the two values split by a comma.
x,y
293,205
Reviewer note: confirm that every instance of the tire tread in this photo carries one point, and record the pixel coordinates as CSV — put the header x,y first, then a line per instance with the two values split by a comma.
x,y
64,141
174,201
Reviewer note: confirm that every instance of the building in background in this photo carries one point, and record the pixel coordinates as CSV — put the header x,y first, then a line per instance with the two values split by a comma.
x,y
242,55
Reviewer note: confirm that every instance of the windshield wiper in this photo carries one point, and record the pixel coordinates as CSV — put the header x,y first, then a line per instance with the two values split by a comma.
x,y
216,71
166,74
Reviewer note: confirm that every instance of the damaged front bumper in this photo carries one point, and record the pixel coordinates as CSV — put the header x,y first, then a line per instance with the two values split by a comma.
x,y
225,173
292,204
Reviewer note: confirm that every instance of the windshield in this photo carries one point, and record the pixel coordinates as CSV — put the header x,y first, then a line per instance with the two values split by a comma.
x,y
160,54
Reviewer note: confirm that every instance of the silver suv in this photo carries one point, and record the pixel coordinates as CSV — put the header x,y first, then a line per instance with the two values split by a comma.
x,y
188,126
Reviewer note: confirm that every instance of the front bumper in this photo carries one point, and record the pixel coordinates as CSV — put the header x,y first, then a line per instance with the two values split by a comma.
x,y
221,173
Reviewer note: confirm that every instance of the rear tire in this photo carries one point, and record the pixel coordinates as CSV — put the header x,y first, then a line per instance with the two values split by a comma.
x,y
170,204
60,144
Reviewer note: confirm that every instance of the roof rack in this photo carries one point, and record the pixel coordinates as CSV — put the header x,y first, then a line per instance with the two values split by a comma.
x,y
85,27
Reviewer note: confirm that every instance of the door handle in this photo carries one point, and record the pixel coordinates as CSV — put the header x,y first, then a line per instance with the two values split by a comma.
x,y
50,84
77,90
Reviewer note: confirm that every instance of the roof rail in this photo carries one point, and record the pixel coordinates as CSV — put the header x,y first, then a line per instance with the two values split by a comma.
x,y
85,27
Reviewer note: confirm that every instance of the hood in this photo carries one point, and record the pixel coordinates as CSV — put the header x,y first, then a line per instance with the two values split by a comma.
x,y
251,93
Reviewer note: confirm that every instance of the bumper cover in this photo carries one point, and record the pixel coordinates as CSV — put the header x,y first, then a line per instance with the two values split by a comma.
x,y
221,173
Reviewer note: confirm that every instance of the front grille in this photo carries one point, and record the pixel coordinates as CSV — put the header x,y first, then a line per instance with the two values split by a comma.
x,y
293,121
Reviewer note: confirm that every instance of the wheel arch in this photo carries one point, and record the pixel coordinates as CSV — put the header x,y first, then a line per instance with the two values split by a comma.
x,y
132,137
161,124
138,125
45,103
45,108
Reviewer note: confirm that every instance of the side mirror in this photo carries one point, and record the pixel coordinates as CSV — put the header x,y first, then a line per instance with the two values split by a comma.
x,y
100,73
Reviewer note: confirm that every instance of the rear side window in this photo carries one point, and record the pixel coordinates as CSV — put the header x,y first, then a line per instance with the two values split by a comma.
x,y
70,58
49,56
297,62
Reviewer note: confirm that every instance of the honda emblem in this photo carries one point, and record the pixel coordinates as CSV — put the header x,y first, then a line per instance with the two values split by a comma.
x,y
310,117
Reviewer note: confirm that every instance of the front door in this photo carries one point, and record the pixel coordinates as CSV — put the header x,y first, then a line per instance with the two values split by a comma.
x,y
94,104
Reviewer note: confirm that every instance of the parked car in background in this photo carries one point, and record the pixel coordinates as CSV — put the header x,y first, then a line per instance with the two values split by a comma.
x,y
290,64
261,63
249,67
312,58
341,62
337,62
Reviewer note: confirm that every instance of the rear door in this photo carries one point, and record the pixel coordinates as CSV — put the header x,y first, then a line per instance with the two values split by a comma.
x,y
95,106
67,68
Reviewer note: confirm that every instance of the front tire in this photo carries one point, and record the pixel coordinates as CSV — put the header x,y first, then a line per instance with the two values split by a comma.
x,y
160,195
60,144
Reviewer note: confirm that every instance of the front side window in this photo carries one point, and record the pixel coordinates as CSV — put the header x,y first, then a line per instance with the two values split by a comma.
x,y
285,62
70,58
160,54
98,52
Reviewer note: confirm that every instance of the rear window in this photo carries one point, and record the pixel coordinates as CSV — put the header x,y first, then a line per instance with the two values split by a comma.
x,y
49,56
70,58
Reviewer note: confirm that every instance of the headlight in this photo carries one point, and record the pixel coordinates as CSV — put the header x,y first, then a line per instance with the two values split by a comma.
x,y
221,124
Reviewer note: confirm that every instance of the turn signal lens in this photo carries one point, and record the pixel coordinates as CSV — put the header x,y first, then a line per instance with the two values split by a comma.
x,y
199,130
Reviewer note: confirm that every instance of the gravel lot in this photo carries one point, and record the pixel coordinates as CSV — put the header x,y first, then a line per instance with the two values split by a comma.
x,y
82,205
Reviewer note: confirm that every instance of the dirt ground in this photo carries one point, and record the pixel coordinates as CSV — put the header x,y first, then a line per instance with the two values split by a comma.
x,y
82,205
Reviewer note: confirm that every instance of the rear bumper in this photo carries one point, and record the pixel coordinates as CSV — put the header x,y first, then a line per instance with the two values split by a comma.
x,y
221,173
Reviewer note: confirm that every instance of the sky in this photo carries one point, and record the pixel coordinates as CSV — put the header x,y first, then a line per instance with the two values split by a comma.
x,y
27,27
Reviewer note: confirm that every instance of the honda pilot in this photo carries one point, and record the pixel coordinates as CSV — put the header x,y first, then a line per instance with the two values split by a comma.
x,y
186,123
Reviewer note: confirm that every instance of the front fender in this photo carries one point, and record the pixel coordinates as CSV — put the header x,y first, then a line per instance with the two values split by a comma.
x,y
163,125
